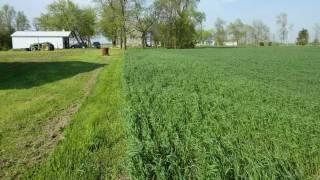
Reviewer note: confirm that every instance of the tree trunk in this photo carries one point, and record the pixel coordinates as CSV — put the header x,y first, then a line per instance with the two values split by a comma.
x,y
81,39
123,13
75,36
143,40
114,42
121,39
125,40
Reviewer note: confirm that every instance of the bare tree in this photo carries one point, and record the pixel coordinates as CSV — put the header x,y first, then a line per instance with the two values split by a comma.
x,y
284,27
316,33
260,32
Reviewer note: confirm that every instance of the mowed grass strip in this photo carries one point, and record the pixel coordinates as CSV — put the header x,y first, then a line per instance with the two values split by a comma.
x,y
39,91
245,113
94,145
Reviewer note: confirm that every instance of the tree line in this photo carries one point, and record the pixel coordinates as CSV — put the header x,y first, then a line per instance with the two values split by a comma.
x,y
256,33
165,23
170,23
11,21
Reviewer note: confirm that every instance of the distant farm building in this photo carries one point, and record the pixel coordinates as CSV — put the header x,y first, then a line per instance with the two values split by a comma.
x,y
230,43
23,39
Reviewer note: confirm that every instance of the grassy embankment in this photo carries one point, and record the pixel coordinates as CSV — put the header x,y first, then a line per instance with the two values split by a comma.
x,y
40,94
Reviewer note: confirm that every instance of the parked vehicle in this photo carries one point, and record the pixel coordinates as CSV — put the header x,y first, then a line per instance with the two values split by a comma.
x,y
96,45
46,46
79,45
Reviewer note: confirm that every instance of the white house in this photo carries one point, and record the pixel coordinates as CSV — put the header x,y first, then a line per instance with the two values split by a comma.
x,y
23,39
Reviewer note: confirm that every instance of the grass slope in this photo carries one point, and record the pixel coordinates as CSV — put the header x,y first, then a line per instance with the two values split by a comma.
x,y
94,145
38,93
247,113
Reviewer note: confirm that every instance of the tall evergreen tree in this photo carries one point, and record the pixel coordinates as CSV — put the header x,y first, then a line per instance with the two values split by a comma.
x,y
303,37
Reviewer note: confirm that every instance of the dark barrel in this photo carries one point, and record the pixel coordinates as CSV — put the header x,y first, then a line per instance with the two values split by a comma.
x,y
105,51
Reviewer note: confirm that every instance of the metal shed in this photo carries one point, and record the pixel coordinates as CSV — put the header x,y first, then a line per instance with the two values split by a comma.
x,y
23,39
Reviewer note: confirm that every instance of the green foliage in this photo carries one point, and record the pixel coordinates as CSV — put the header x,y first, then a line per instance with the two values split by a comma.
x,y
186,36
66,15
220,32
244,113
5,40
22,22
203,36
237,30
110,23
303,37
10,21
177,27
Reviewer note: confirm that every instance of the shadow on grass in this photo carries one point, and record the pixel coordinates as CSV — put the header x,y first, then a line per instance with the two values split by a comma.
x,y
24,75
219,47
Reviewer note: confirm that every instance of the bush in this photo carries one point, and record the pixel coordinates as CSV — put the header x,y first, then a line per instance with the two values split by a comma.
x,y
261,44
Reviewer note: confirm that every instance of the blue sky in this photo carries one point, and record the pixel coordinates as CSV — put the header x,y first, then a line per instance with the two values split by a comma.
x,y
301,13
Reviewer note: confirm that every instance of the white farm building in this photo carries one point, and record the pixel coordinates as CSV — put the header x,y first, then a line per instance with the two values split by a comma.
x,y
23,39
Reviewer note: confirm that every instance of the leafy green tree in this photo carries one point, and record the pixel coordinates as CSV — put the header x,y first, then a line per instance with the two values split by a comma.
x,y
10,21
66,15
110,23
219,32
204,35
8,15
87,26
200,18
115,19
303,37
237,30
22,22
186,36
177,22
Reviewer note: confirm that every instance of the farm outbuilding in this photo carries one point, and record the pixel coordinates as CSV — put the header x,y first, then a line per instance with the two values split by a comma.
x,y
23,39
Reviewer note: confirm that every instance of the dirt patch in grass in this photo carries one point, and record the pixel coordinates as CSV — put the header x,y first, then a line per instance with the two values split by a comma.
x,y
37,149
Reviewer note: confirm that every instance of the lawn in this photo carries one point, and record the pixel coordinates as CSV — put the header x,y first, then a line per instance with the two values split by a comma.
x,y
40,94
94,146
223,113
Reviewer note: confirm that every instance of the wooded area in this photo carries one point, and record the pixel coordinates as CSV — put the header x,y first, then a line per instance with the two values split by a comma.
x,y
10,21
